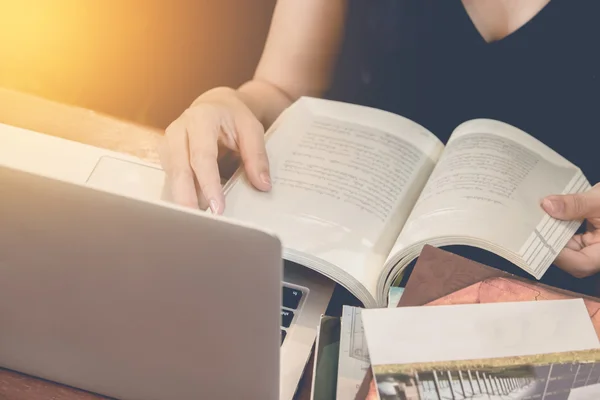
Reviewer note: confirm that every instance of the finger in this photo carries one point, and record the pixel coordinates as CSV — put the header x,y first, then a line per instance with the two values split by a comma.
x,y
575,243
590,238
175,159
202,201
593,223
581,263
251,143
203,132
573,206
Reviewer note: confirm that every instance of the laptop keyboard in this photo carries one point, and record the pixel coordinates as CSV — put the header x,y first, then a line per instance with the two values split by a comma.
x,y
290,306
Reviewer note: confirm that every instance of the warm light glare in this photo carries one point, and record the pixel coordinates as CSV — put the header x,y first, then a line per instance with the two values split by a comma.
x,y
61,48
143,60
39,39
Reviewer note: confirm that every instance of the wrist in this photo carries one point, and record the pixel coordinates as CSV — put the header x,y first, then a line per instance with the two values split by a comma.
x,y
264,99
215,92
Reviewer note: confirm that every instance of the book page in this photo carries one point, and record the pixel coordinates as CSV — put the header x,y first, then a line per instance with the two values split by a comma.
x,y
344,178
353,356
488,185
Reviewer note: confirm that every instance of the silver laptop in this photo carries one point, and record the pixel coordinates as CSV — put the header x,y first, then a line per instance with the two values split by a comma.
x,y
107,287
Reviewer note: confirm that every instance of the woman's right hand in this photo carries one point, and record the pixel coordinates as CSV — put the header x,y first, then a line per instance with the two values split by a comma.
x,y
297,60
190,148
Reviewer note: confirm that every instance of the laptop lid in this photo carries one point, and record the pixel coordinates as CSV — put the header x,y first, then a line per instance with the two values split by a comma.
x,y
135,299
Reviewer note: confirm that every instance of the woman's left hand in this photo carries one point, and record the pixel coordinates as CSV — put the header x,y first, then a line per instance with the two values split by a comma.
x,y
581,256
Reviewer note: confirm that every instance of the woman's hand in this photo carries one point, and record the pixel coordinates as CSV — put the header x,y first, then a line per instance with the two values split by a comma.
x,y
298,60
581,256
190,148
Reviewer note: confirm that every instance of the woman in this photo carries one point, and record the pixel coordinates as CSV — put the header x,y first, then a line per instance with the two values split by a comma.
x,y
533,64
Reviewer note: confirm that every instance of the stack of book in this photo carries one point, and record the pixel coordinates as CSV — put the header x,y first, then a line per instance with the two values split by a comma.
x,y
473,332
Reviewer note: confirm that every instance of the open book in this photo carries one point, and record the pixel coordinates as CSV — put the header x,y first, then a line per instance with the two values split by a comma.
x,y
357,192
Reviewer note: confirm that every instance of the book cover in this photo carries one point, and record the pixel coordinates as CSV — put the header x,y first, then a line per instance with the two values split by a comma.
x,y
438,273
443,278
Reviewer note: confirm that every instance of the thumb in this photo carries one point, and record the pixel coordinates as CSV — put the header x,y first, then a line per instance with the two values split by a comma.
x,y
571,207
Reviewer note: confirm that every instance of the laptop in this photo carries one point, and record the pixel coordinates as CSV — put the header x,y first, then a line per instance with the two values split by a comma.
x,y
108,287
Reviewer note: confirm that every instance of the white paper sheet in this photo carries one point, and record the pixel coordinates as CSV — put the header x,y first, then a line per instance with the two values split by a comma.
x,y
591,392
476,331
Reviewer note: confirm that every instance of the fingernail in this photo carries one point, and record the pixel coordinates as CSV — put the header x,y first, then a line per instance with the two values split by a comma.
x,y
553,206
214,206
265,178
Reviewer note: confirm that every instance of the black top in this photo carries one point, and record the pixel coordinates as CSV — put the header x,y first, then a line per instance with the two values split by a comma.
x,y
425,60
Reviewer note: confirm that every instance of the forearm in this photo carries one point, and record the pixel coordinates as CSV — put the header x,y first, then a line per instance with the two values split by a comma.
x,y
265,100
298,58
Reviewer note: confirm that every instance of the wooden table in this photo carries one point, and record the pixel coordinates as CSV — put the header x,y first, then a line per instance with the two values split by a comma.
x,y
85,126
78,124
